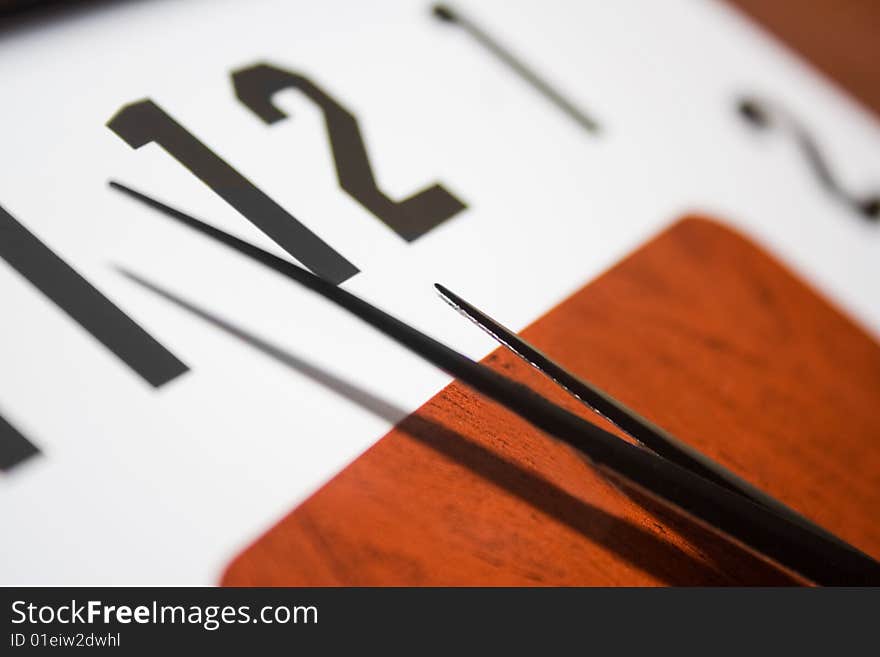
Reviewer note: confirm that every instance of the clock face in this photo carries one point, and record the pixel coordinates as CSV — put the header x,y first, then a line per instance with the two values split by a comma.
x,y
165,398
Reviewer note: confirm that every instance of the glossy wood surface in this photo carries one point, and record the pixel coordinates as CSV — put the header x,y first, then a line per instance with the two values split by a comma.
x,y
700,331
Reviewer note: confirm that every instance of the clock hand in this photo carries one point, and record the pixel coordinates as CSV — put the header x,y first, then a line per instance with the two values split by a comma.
x,y
245,248
647,433
447,14
804,551
824,561
764,115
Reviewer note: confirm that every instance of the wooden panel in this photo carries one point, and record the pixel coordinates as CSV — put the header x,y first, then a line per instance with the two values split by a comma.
x,y
701,332
839,37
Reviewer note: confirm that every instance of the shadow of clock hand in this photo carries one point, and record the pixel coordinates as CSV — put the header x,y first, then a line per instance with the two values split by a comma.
x,y
637,545
363,398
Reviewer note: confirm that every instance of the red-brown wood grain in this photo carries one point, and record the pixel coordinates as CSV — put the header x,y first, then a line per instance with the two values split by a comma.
x,y
701,332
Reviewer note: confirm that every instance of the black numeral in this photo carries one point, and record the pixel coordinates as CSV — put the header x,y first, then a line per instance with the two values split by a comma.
x,y
14,448
84,304
145,122
764,115
410,218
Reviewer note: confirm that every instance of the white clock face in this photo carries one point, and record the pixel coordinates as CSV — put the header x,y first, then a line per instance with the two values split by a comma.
x,y
172,431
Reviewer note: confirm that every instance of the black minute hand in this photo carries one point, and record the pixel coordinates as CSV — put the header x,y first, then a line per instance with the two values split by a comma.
x,y
819,558
648,434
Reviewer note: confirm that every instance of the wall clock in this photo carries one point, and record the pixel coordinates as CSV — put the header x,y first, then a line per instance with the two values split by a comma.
x,y
170,406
